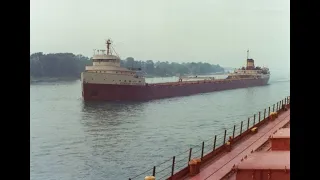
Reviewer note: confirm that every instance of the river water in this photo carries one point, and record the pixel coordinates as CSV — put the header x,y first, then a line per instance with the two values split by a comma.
x,y
71,139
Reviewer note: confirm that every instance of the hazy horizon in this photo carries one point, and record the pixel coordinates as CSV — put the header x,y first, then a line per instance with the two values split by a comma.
x,y
217,32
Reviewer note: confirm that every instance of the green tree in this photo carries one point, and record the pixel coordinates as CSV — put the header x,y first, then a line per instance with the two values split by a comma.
x,y
70,65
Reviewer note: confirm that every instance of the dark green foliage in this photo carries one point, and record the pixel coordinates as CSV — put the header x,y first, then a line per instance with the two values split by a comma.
x,y
171,69
57,65
70,65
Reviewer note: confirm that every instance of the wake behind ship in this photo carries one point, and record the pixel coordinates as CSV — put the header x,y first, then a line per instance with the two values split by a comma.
x,y
105,80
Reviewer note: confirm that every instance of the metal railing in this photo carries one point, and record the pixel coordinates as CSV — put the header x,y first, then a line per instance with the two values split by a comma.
x,y
169,167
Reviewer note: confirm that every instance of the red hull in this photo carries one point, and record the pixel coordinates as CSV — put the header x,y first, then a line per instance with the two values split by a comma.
x,y
108,92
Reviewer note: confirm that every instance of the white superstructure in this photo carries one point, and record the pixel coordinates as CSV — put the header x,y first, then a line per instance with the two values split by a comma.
x,y
244,73
106,70
250,71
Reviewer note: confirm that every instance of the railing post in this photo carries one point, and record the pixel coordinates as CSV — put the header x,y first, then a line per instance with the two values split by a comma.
x,y
264,115
234,129
241,127
248,123
269,112
202,150
277,106
190,152
214,142
259,116
285,101
173,161
273,108
225,134
281,103
254,119
154,171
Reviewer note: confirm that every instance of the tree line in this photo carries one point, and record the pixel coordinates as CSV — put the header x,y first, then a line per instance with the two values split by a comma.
x,y
71,65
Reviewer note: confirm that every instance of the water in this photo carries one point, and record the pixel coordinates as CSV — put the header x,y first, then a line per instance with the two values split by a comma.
x,y
71,139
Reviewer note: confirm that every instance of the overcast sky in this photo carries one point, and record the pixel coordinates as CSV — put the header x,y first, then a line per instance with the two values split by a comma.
x,y
214,31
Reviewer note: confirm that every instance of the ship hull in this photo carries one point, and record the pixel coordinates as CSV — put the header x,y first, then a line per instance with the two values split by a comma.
x,y
109,92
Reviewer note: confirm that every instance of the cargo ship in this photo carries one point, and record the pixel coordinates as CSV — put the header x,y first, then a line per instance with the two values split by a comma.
x,y
106,80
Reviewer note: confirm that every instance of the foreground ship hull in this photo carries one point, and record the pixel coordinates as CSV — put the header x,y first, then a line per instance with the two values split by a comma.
x,y
110,92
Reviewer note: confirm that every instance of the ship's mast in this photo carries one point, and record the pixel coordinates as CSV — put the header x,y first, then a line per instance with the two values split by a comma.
x,y
108,46
247,58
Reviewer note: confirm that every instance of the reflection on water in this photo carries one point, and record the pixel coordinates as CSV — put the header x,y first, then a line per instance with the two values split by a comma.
x,y
110,106
110,111
73,139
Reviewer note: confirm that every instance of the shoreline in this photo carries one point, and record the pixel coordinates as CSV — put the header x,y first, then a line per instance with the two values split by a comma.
x,y
54,79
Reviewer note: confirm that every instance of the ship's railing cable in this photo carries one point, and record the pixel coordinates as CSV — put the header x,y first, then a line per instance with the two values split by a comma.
x,y
177,163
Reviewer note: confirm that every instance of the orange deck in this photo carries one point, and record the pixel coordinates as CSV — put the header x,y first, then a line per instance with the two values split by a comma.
x,y
266,160
280,141
282,133
221,166
263,165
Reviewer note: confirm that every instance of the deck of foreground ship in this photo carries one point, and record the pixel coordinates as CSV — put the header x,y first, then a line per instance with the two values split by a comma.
x,y
257,149
221,167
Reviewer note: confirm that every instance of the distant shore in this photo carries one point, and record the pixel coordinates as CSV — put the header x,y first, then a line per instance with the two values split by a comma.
x,y
60,65
55,79
51,79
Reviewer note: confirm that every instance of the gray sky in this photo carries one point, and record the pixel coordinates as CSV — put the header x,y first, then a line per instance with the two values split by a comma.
x,y
214,31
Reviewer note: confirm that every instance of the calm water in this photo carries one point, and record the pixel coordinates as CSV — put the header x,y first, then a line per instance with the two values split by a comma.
x,y
71,139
